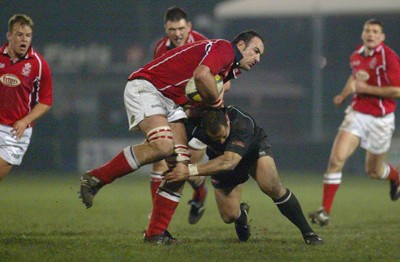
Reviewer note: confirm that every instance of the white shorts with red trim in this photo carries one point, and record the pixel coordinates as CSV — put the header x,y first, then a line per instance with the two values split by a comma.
x,y
11,149
375,132
142,100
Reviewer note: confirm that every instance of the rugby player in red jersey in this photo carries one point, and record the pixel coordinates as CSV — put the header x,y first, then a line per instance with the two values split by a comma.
x,y
178,30
25,91
369,120
154,96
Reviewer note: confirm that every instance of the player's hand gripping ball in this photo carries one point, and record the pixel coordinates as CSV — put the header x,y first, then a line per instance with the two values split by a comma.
x,y
191,91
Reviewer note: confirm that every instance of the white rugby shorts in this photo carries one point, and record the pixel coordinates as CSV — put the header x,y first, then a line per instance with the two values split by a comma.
x,y
11,149
375,132
142,100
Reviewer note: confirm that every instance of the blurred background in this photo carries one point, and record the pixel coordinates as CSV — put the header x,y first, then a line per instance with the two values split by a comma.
x,y
93,46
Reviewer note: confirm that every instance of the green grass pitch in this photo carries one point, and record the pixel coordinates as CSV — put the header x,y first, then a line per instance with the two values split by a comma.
x,y
42,219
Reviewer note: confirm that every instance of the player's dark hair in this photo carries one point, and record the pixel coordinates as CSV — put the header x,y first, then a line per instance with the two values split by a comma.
x,y
19,19
213,119
374,21
175,14
246,37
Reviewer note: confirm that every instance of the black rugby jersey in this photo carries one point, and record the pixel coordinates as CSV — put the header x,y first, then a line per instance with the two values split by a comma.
x,y
244,137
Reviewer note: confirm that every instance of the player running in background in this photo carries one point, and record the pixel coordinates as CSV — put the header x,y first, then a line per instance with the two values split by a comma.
x,y
152,98
369,120
238,148
25,91
178,30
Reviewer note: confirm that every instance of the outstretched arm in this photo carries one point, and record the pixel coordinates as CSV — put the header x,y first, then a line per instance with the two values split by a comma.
x,y
227,162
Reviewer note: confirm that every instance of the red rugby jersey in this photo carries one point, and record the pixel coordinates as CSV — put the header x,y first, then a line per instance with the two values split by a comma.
x,y
170,72
22,85
164,44
381,68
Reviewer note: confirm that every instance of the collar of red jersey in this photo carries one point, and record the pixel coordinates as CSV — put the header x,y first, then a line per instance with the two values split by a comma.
x,y
28,54
376,49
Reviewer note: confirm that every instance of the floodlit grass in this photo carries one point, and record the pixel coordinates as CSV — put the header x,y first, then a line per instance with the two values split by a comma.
x,y
42,219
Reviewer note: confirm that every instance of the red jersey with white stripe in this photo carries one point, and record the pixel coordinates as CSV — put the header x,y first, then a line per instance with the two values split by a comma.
x,y
380,68
165,44
170,72
22,85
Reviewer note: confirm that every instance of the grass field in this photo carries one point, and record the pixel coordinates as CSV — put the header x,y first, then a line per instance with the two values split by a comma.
x,y
42,219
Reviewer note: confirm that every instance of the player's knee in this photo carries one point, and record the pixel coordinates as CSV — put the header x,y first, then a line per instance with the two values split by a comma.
x,y
336,163
229,216
372,173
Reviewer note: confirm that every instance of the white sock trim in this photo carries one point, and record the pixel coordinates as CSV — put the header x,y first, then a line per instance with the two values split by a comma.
x,y
176,197
386,172
131,158
333,178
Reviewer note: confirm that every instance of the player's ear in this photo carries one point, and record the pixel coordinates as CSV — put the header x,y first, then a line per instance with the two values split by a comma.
x,y
8,35
383,37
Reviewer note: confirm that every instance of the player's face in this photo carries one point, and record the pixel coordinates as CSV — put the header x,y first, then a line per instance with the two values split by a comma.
x,y
178,31
19,40
251,53
372,36
221,135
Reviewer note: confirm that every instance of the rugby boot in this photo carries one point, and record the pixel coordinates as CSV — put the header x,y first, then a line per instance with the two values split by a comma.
x,y
394,190
90,185
162,239
319,217
243,228
312,238
197,203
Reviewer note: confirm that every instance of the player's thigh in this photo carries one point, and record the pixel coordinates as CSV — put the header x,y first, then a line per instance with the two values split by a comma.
x,y
267,177
344,146
228,201
178,129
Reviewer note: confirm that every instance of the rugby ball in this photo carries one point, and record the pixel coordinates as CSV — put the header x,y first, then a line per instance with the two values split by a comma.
x,y
191,91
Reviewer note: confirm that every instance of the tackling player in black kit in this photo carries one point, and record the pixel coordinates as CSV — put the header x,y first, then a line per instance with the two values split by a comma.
x,y
238,148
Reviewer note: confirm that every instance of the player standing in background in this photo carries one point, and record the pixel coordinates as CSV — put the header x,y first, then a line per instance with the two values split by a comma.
x,y
238,148
152,98
179,31
25,91
369,120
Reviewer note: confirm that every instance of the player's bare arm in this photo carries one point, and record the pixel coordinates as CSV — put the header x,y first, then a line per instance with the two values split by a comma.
x,y
347,90
361,87
20,125
227,162
206,85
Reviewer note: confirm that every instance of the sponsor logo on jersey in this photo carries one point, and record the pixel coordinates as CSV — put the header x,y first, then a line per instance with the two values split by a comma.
x,y
373,63
362,75
26,70
10,80
262,153
355,63
2,65
239,143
